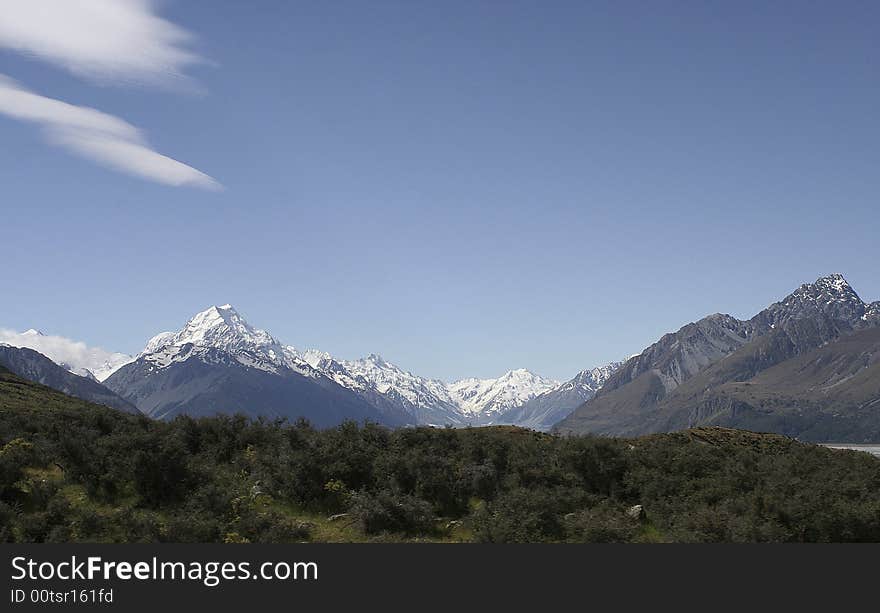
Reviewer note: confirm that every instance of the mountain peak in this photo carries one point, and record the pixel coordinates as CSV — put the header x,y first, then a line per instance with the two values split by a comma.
x,y
833,288
834,282
521,374
495,396
33,332
312,357
219,327
215,316
829,296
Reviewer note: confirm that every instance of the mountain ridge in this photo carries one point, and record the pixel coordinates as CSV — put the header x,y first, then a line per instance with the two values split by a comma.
x,y
622,397
656,388
34,366
219,333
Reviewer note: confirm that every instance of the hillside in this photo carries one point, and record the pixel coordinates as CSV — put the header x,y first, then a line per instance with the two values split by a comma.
x,y
75,472
34,366
20,396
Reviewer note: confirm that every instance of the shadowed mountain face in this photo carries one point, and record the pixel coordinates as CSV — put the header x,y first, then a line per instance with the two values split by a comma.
x,y
831,393
678,381
33,366
22,396
645,380
219,364
212,381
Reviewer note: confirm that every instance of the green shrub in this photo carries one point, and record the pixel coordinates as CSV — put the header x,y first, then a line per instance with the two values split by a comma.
x,y
388,511
604,523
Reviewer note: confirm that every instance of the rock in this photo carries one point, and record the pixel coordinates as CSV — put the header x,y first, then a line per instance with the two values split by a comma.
x,y
636,512
455,523
338,516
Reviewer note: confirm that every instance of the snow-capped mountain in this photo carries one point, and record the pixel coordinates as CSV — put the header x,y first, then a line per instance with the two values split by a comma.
x,y
222,329
431,401
546,409
487,399
428,401
385,376
587,382
218,363
217,349
77,357
219,336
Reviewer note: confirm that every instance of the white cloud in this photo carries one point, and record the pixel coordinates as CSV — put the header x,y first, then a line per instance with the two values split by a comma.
x,y
102,40
98,136
75,356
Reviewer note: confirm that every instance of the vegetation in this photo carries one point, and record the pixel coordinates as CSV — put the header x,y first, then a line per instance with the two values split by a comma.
x,y
71,471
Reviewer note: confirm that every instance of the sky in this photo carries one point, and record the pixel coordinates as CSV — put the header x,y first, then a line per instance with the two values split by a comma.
x,y
462,187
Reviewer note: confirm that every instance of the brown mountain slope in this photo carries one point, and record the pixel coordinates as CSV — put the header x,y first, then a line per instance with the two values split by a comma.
x,y
829,394
628,397
809,319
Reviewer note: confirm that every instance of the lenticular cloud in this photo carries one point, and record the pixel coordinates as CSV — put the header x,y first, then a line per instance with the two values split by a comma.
x,y
98,136
101,40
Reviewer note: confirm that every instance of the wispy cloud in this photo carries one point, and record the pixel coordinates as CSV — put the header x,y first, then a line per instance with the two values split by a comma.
x,y
73,355
98,136
121,42
101,40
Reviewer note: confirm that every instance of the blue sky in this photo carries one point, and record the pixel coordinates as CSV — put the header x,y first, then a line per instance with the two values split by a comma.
x,y
463,187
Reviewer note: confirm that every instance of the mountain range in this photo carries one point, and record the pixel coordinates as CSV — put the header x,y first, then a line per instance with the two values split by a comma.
x,y
806,366
219,363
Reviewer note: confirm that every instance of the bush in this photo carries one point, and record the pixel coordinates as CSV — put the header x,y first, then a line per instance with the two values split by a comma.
x,y
527,515
387,511
269,526
161,473
15,456
191,527
604,523
126,478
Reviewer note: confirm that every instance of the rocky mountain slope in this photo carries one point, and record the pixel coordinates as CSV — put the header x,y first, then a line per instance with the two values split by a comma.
x,y
675,383
831,393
